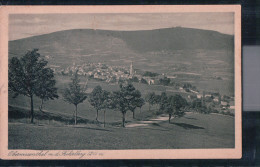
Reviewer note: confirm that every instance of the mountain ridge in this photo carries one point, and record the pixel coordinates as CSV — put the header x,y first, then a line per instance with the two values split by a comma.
x,y
89,44
150,40
75,29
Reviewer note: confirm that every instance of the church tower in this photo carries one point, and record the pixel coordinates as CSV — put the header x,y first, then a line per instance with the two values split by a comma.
x,y
131,69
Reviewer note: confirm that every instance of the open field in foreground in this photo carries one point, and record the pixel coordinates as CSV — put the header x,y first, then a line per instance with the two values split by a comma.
x,y
191,131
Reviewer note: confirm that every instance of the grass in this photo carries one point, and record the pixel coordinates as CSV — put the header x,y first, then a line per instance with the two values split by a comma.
x,y
18,114
194,130
188,126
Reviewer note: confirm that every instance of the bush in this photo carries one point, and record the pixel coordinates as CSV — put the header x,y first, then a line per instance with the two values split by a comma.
x,y
204,110
134,79
150,74
187,89
165,81
221,112
229,113
214,111
158,112
144,81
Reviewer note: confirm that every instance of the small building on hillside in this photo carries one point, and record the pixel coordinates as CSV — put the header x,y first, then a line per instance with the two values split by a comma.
x,y
216,99
199,96
223,103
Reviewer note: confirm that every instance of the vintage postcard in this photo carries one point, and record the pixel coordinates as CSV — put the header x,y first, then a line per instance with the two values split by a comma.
x,y
120,82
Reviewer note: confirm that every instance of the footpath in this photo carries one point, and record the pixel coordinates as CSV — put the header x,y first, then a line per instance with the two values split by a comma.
x,y
159,119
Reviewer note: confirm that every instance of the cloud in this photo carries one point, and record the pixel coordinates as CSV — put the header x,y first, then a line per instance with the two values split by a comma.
x,y
21,21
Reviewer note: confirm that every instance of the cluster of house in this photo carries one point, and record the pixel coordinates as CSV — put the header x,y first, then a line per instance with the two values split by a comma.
x,y
115,74
224,102
110,74
98,71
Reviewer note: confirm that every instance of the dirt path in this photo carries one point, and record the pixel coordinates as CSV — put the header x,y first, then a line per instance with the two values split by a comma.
x,y
159,119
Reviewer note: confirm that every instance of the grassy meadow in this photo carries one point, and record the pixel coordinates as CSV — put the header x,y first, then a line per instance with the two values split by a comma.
x,y
191,131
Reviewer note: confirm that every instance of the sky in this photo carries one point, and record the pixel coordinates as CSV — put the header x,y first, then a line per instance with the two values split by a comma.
x,y
27,25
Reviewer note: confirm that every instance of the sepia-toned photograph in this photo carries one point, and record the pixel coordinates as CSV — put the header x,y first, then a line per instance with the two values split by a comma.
x,y
126,81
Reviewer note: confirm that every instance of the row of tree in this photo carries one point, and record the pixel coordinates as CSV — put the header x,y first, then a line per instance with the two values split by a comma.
x,y
128,98
125,99
31,77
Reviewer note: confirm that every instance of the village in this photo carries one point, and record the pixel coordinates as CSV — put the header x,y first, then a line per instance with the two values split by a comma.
x,y
122,74
111,74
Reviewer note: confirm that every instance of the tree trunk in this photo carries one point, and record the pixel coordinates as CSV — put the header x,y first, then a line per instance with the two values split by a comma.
x,y
41,105
133,114
149,106
123,120
75,119
140,109
32,116
170,116
97,116
105,118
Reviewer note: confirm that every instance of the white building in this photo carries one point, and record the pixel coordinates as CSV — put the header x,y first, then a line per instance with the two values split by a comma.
x,y
223,103
199,96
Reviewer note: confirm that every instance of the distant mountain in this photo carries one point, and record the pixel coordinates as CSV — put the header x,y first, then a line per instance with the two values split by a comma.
x,y
173,39
174,51
72,45
145,40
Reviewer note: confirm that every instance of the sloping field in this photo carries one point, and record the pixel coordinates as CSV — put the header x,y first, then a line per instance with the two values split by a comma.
x,y
190,131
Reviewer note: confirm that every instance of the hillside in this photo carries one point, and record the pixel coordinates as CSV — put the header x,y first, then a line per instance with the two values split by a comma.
x,y
85,42
195,55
